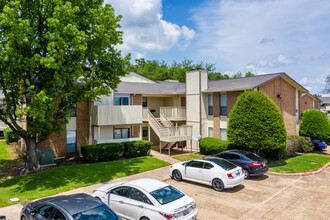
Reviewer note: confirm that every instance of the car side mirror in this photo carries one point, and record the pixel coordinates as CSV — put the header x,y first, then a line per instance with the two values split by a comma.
x,y
33,213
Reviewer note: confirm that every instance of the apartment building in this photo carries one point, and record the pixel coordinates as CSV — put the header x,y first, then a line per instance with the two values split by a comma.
x,y
169,113
325,104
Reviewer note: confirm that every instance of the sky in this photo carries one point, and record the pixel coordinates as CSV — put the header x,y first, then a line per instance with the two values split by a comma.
x,y
260,36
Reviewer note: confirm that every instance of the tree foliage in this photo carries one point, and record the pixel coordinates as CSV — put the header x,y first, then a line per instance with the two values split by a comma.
x,y
53,55
256,122
315,124
161,70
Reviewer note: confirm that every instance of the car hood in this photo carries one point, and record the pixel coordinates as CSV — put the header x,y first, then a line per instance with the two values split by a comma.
x,y
179,204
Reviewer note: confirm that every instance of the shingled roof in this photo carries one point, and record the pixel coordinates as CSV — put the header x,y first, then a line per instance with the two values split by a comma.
x,y
161,87
325,99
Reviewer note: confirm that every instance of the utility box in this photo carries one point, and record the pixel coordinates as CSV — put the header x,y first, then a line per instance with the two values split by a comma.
x,y
46,157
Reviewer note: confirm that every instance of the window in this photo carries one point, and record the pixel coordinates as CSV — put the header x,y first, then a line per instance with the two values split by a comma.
x,y
45,211
208,166
97,213
196,164
210,132
223,104
166,195
121,100
121,191
223,134
121,133
210,104
234,157
144,131
58,216
71,141
144,102
73,113
139,196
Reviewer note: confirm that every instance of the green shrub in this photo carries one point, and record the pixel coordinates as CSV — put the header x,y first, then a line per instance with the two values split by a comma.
x,y
211,145
256,122
10,136
91,153
111,151
315,124
102,152
137,148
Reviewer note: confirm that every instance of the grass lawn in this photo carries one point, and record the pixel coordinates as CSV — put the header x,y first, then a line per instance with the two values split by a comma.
x,y
5,157
185,157
65,178
299,164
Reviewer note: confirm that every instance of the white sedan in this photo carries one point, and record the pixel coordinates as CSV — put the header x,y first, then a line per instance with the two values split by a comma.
x,y
216,172
147,199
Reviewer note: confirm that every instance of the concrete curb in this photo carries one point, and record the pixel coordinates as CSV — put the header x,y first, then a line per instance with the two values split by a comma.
x,y
303,174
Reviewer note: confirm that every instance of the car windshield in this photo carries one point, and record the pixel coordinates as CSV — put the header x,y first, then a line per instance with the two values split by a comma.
x,y
98,213
166,195
224,164
252,156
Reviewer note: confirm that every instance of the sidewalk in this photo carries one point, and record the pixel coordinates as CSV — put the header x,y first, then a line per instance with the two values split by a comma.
x,y
12,212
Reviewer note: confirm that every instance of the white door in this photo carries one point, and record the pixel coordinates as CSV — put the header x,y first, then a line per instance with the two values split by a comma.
x,y
138,205
117,199
194,170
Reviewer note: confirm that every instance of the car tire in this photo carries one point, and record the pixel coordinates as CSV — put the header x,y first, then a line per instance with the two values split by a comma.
x,y
246,174
23,218
144,218
176,175
218,185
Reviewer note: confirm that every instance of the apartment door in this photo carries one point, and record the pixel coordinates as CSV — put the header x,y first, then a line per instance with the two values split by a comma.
x,y
183,101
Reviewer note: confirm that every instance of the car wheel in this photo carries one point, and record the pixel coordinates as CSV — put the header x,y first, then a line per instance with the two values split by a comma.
x,y
217,185
23,218
144,218
177,175
246,174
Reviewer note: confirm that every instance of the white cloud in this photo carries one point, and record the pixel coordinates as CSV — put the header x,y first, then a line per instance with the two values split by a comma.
x,y
145,30
266,36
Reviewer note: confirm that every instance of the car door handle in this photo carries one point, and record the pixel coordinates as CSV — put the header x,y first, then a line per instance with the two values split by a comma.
x,y
141,206
121,202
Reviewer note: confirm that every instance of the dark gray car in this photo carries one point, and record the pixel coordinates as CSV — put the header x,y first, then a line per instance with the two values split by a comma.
x,y
72,207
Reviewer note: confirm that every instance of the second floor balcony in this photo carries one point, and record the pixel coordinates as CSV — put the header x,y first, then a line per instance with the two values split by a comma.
x,y
116,115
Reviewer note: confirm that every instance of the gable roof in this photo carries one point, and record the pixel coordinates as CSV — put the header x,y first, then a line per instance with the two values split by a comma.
x,y
161,87
250,82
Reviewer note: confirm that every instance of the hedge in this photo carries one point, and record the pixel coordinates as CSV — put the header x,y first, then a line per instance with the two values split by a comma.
x,y
10,136
315,124
102,152
211,145
137,148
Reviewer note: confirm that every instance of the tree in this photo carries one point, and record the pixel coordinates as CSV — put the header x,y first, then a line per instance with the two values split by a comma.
x,y
54,54
160,70
256,122
315,124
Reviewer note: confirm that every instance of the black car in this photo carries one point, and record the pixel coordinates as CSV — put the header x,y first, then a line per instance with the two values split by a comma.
x,y
251,163
72,207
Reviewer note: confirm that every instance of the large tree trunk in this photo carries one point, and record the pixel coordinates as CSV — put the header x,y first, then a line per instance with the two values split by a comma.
x,y
32,162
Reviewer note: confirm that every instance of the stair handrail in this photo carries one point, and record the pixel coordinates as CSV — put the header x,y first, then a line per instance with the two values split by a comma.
x,y
162,115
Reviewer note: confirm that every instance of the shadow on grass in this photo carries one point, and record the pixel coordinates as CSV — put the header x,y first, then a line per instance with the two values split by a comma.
x,y
70,177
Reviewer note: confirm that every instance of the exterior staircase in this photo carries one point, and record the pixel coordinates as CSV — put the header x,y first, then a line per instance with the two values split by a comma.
x,y
168,133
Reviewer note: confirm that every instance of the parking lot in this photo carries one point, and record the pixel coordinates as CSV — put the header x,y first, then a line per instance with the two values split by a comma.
x,y
270,196
266,197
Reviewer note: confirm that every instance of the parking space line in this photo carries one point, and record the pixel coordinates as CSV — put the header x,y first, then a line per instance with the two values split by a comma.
x,y
270,198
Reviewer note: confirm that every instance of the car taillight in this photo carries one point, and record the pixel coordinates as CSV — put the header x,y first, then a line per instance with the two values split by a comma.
x,y
256,164
230,176
167,216
94,191
318,143
242,171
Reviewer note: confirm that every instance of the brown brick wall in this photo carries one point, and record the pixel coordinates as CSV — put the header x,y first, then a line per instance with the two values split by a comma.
x,y
137,100
287,104
231,100
216,115
56,143
306,103
82,124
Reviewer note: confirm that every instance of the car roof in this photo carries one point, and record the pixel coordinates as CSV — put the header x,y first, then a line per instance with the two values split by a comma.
x,y
75,203
237,151
147,184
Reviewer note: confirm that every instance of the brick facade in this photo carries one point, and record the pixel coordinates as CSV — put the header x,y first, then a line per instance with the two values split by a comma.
x,y
216,115
56,143
306,103
286,103
82,125
231,100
